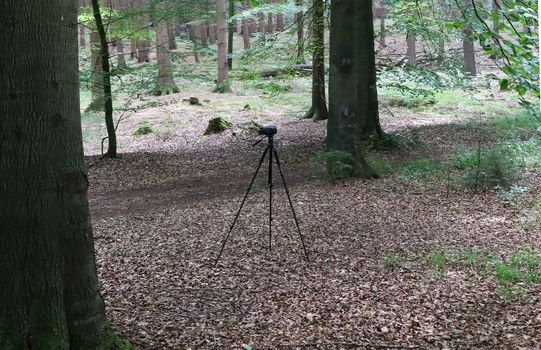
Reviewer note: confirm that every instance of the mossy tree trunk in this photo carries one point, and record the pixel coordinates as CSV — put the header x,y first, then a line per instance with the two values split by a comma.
x,y
352,90
49,295
166,83
318,110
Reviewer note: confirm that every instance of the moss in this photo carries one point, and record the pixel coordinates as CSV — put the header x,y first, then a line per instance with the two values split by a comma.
x,y
161,90
114,342
143,129
217,125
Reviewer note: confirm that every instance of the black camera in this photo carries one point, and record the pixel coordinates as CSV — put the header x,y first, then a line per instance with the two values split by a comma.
x,y
268,130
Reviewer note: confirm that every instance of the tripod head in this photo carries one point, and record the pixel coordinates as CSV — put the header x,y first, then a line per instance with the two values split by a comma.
x,y
266,130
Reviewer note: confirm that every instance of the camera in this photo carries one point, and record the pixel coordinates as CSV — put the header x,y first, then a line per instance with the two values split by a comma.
x,y
268,130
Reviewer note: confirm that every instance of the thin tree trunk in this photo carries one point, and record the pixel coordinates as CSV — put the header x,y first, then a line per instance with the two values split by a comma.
x,y
318,110
106,76
50,294
468,46
411,49
221,22
270,24
441,41
82,29
496,17
141,26
230,32
299,18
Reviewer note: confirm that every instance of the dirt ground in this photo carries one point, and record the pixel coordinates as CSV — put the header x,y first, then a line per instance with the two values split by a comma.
x,y
160,215
161,211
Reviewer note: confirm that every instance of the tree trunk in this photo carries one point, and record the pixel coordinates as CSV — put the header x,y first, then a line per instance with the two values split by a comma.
x,y
203,35
192,35
411,49
299,18
132,27
468,46
441,40
279,22
166,84
352,89
141,26
245,34
96,79
171,40
382,15
82,29
49,297
106,81
230,32
270,24
221,22
261,27
495,17
318,110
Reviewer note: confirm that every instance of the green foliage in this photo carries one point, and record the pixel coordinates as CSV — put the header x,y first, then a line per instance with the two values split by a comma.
x,y
338,164
143,128
391,140
521,266
273,88
392,260
437,260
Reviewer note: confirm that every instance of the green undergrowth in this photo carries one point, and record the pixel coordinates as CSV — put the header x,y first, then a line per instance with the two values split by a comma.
x,y
513,273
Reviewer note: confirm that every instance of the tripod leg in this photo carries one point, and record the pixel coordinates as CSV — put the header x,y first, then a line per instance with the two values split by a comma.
x,y
241,205
290,202
269,181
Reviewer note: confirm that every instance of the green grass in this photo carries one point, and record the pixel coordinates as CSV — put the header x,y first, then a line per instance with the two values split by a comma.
x,y
392,260
437,260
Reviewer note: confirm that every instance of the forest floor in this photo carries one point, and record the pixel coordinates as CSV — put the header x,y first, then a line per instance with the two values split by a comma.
x,y
414,259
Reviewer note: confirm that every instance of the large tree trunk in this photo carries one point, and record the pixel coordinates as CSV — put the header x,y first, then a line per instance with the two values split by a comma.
x,y
469,49
221,22
166,84
49,297
318,110
299,18
352,89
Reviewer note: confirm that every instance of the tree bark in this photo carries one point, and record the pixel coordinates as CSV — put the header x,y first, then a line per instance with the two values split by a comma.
x,y
203,34
49,297
270,24
221,22
299,18
166,83
352,89
141,25
318,110
496,17
279,22
411,52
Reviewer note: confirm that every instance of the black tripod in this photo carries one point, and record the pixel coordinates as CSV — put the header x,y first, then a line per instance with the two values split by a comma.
x,y
268,131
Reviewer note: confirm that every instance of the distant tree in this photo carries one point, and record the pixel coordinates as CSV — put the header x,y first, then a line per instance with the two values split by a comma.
x,y
353,107
411,51
230,33
468,44
318,110
221,22
49,295
166,83
299,18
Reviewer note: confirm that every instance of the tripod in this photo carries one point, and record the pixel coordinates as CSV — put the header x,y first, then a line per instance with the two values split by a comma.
x,y
271,150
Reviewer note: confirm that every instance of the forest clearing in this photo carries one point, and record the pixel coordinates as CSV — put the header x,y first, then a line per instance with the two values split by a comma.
x,y
415,181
